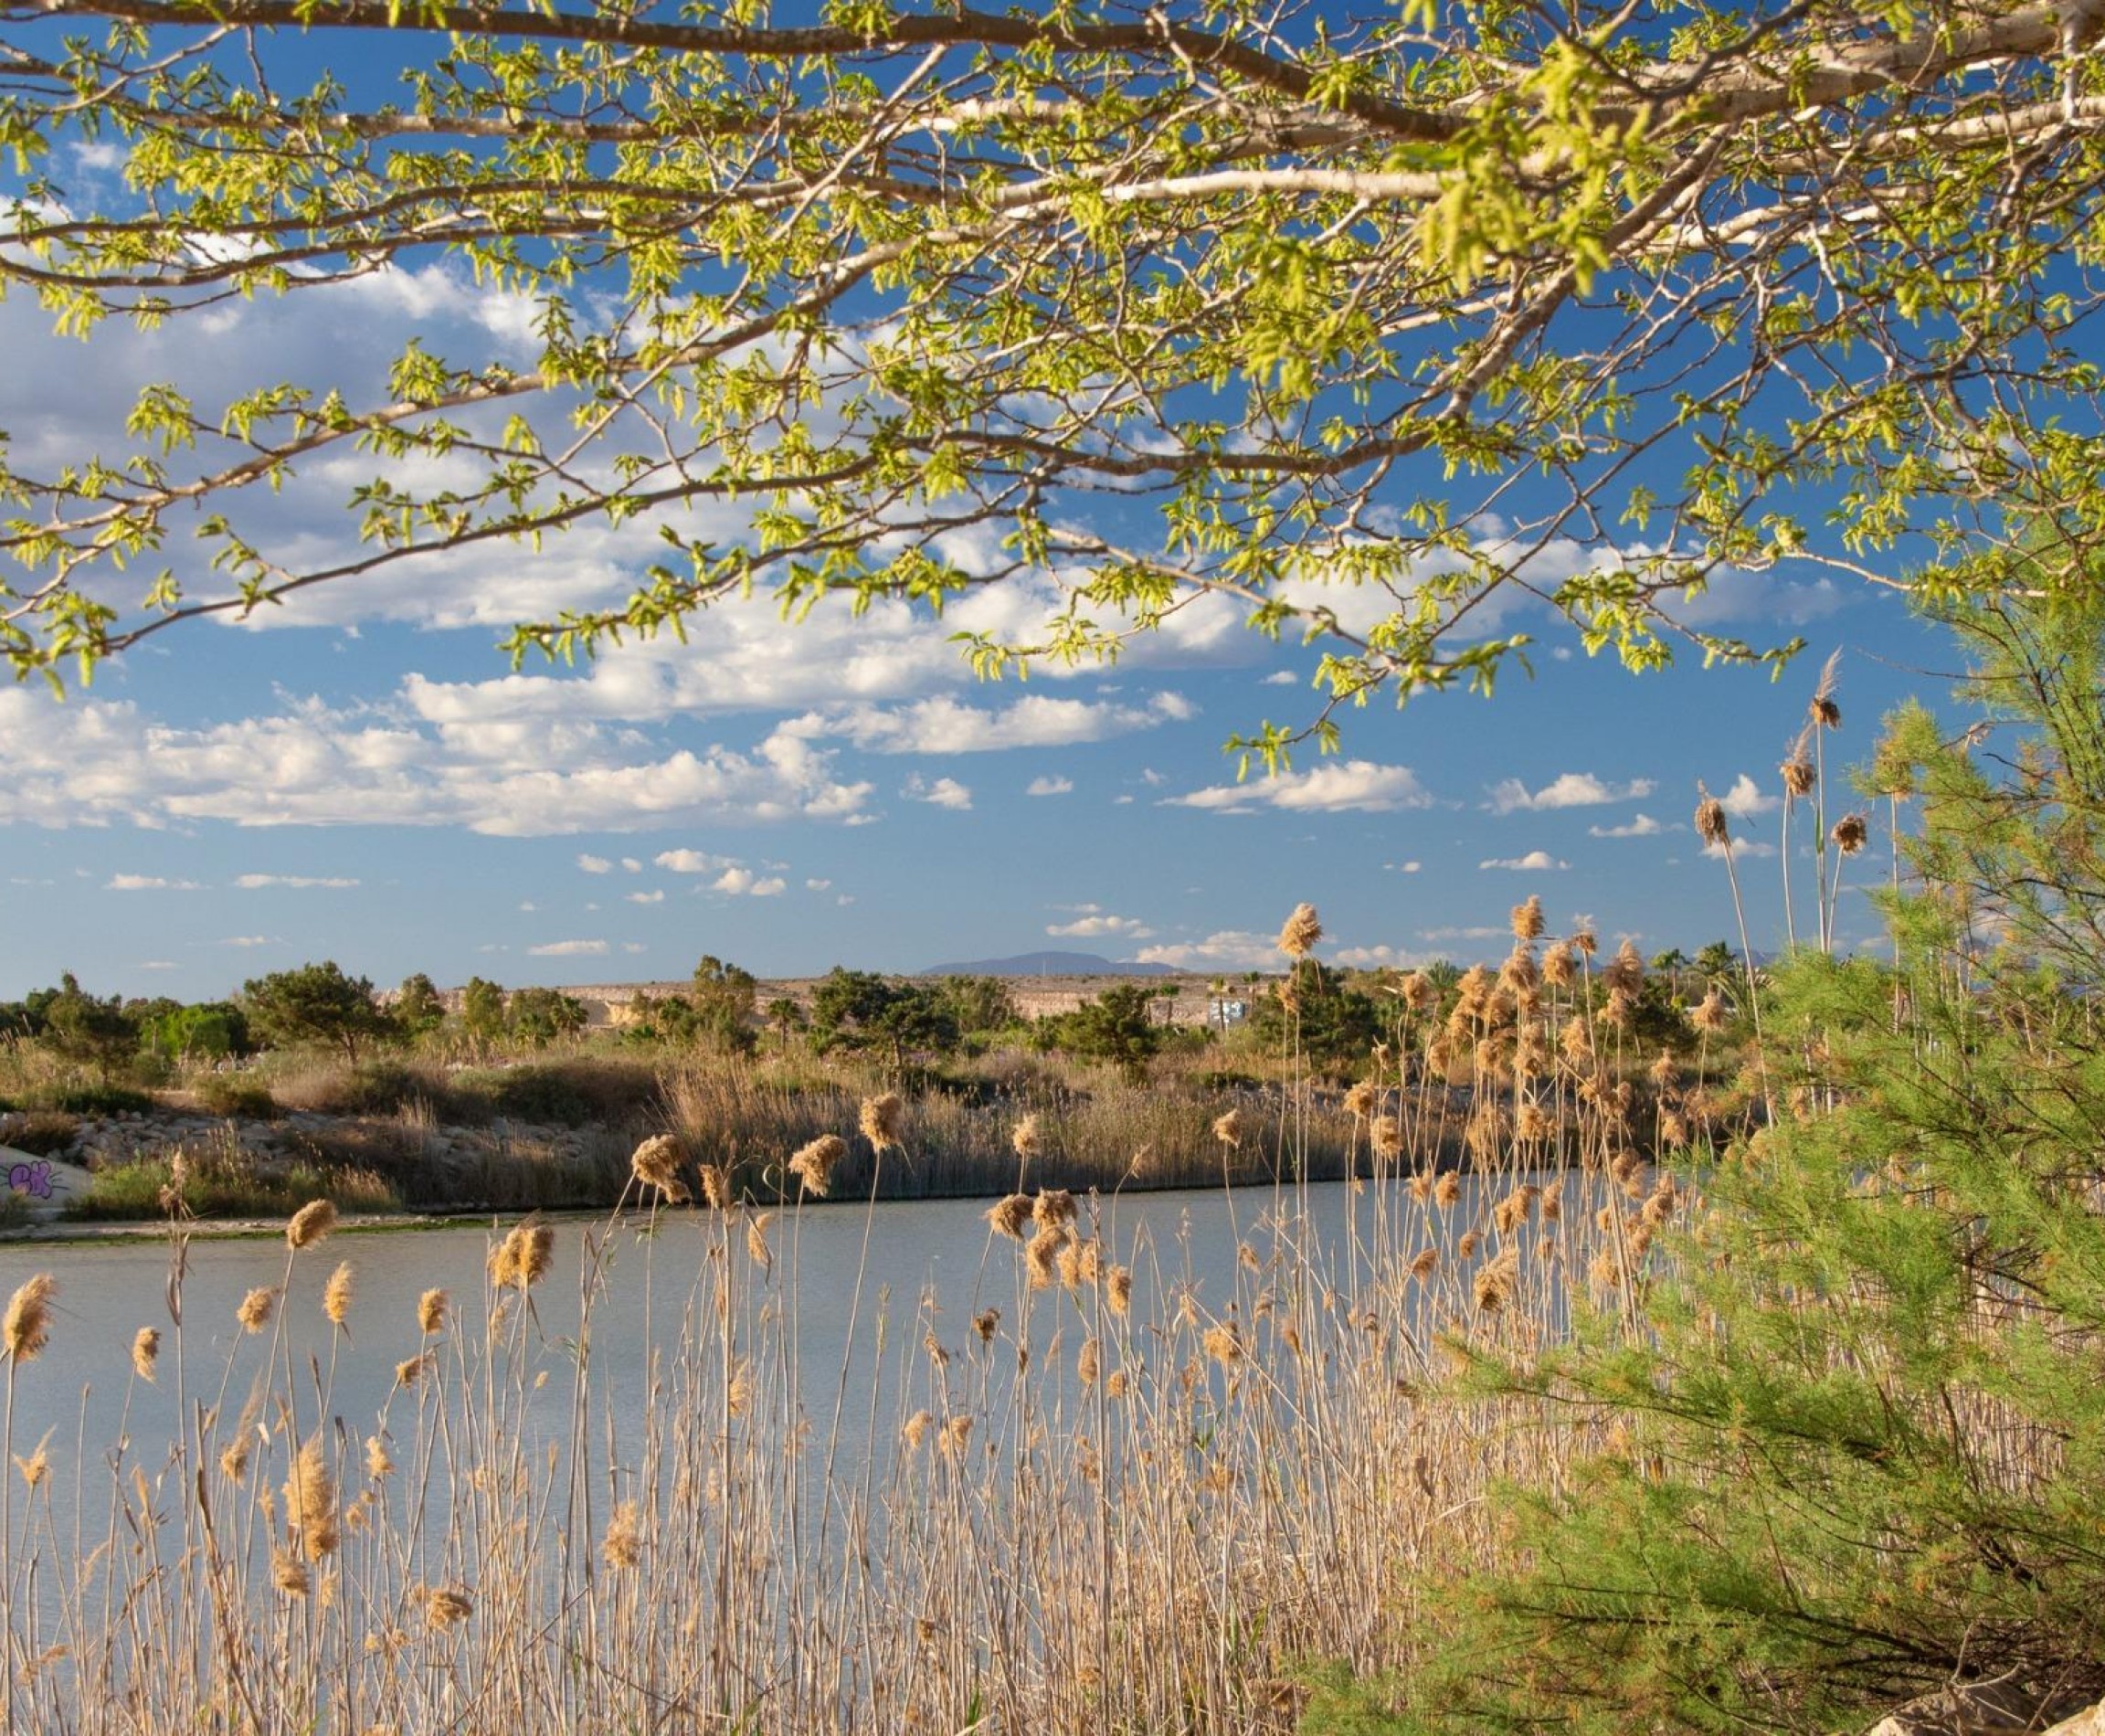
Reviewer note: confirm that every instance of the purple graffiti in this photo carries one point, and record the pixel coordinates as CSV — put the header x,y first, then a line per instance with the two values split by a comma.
x,y
33,1178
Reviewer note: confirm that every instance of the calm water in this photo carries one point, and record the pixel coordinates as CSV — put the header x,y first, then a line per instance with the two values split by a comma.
x,y
77,1390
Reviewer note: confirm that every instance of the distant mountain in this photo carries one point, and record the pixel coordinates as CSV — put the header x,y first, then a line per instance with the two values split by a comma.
x,y
1048,964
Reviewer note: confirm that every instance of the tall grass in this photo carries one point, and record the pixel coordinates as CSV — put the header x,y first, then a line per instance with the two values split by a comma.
x,y
1123,1498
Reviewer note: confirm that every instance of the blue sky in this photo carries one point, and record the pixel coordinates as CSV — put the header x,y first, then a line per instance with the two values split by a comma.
x,y
358,775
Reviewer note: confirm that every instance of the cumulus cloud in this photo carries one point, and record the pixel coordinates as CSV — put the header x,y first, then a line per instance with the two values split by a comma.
x,y
94,762
1636,826
1482,933
817,885
657,897
1226,950
1380,957
1569,790
1741,847
1534,862
743,883
1402,867
149,882
568,949
1745,798
252,883
1101,928
249,940
1050,787
1282,678
594,864
692,862
944,726
944,792
1353,786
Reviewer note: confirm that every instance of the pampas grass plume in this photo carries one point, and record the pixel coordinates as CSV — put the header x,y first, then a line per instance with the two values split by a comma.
x,y
27,1328
310,1224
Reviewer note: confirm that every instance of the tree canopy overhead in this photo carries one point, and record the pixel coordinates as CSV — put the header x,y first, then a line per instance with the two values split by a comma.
x,y
1430,308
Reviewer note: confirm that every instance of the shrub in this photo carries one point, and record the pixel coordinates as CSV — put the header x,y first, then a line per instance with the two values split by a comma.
x,y
236,1094
42,1133
101,1099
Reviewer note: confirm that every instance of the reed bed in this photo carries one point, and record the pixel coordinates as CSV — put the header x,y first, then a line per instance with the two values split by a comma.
x,y
1122,1496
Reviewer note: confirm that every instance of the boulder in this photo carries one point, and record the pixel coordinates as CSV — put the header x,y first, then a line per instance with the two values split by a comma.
x,y
1994,1709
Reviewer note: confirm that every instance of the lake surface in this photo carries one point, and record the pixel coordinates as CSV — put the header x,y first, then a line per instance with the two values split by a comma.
x,y
931,1266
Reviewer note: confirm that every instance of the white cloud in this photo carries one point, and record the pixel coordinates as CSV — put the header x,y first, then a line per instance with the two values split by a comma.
x,y
1741,847
594,864
1227,950
249,940
944,792
149,882
251,882
817,885
944,726
528,906
1403,867
692,862
1569,790
657,897
1637,826
568,949
744,882
1356,785
1463,934
1380,957
157,963
1745,800
1282,678
629,865
1051,787
1101,928
633,946
1534,862
92,762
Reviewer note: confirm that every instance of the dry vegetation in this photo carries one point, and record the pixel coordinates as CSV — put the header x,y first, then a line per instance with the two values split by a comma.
x,y
1153,1521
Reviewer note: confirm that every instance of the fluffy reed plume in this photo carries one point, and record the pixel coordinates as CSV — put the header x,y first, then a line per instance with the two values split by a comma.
x,y
1230,1128
255,1311
813,1164
738,1394
1426,1264
1673,1129
448,1608
1527,923
1553,1202
1798,772
1421,1187
1223,1343
957,1436
1042,1255
1297,939
1119,1289
1619,1012
622,1547
1009,1216
1495,1282
1088,1363
27,1326
379,1465
1053,1207
1531,1124
1511,1211
336,1294
1025,1139
1362,1100
310,1224
1520,974
1080,1264
917,1427
987,1322
1821,708
1587,941
1850,834
523,1257
1470,1242
881,1117
145,1351
37,1466
1711,825
310,1500
407,1373
1709,1014
1559,969
1660,1203
1447,1189
431,1311
290,1573
1420,992
1626,972
757,1248
1386,1136
656,1164
716,1187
